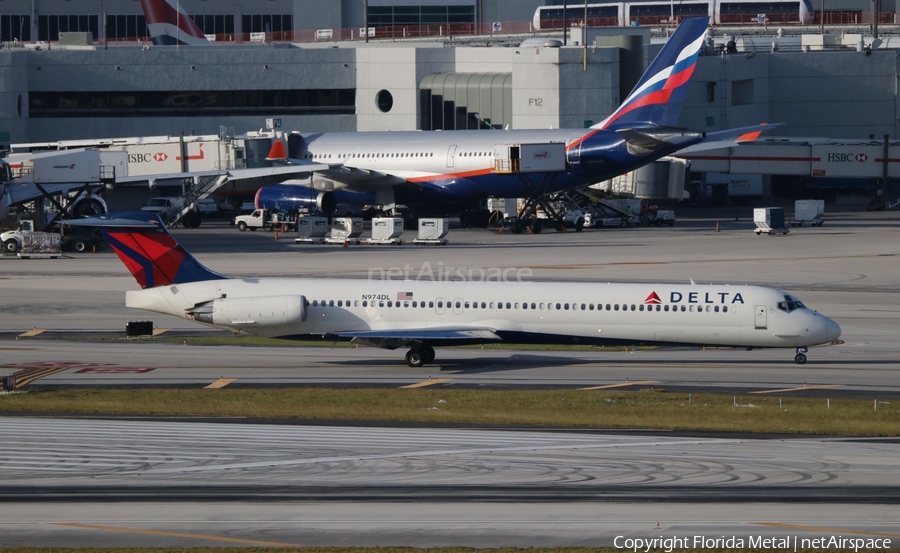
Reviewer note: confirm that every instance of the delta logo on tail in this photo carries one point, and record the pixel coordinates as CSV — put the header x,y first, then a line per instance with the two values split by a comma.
x,y
653,299
169,25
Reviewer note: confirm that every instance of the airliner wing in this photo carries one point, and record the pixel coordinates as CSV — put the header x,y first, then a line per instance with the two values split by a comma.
x,y
397,338
728,138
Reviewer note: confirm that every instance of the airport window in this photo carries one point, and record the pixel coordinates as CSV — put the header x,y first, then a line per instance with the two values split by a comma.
x,y
340,303
194,102
415,304
458,305
641,308
440,305
221,25
508,305
406,304
381,304
399,16
365,303
118,27
49,26
431,304
280,25
666,308
524,306
315,303
499,305
16,27
533,306
566,306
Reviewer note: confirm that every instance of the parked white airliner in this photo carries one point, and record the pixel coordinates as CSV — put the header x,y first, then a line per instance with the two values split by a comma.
x,y
422,314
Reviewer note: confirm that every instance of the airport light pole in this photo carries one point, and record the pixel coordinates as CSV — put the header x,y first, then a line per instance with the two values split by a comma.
x,y
565,20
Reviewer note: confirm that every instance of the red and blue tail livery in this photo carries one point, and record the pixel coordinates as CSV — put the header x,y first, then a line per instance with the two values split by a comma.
x,y
169,25
141,241
658,96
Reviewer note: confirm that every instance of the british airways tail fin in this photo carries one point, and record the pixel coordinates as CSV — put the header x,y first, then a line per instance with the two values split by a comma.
x,y
169,25
657,98
141,241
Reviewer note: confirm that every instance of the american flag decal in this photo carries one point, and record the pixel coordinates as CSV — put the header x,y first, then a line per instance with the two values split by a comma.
x,y
404,295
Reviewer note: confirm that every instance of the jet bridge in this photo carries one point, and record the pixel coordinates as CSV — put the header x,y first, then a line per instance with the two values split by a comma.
x,y
71,180
546,159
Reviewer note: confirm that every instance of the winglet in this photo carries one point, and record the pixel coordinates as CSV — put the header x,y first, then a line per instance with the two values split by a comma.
x,y
277,152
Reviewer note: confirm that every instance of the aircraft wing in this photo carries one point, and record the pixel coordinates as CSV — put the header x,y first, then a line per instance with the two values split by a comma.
x,y
728,138
397,338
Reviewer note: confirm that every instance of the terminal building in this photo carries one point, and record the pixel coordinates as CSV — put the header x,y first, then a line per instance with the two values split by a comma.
x,y
86,70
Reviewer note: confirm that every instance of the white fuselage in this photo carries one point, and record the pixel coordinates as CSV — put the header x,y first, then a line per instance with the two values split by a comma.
x,y
533,312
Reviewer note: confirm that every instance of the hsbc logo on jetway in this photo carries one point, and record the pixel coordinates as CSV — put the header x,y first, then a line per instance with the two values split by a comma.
x,y
847,158
148,157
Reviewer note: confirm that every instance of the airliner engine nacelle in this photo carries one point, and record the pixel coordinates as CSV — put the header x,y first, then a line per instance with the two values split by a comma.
x,y
326,202
264,311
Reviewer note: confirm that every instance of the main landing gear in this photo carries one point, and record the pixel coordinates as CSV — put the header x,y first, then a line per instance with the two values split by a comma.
x,y
800,358
419,355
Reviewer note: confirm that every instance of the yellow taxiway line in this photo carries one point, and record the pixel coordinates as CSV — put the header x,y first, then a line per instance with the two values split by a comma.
x,y
172,534
220,383
158,331
826,529
429,382
804,387
33,332
621,385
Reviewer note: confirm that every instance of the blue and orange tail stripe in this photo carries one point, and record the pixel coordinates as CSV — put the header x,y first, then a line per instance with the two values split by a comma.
x,y
658,96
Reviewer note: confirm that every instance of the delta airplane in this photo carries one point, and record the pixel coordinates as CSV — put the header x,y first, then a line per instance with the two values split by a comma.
x,y
458,169
422,314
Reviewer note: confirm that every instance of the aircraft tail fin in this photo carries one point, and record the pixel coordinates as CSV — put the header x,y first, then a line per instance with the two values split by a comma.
x,y
169,25
153,256
657,98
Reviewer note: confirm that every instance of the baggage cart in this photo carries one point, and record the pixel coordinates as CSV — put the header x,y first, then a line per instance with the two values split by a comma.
x,y
769,220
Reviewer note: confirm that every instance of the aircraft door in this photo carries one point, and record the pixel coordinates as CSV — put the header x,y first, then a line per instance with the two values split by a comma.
x,y
573,153
451,156
760,322
439,307
457,306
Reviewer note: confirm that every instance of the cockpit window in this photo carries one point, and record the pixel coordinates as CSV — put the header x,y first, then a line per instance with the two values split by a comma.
x,y
790,304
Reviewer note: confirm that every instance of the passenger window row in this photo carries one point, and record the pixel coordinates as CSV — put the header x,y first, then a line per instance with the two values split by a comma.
x,y
311,155
441,304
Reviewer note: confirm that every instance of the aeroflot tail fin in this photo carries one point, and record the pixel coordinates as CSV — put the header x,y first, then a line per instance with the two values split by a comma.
x,y
657,98
170,25
141,241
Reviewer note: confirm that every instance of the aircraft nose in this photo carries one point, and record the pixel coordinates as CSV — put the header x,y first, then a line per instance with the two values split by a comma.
x,y
832,331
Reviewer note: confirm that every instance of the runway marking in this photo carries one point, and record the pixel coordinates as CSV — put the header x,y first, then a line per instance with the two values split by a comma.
x,y
158,331
429,382
220,383
804,387
33,332
620,385
172,534
826,529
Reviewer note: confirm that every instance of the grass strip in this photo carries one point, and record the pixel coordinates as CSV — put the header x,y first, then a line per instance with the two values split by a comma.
x,y
646,409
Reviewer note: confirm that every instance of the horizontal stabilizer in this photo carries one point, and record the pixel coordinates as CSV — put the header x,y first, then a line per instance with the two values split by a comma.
x,y
729,138
648,140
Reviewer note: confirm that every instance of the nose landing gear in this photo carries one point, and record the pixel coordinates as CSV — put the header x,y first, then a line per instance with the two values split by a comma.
x,y
800,358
